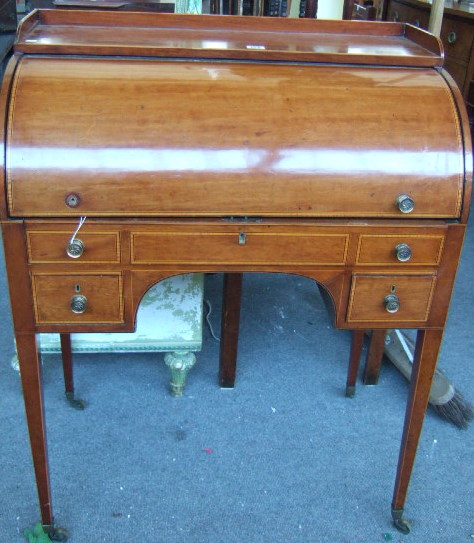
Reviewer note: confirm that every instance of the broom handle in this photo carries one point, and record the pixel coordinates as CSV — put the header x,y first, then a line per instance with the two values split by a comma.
x,y
401,355
403,363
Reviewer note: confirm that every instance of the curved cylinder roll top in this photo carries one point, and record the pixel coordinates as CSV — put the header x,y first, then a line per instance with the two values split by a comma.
x,y
179,137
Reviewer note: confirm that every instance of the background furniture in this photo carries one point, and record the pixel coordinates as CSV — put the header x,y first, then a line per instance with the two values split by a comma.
x,y
161,6
457,33
8,23
359,10
8,16
365,10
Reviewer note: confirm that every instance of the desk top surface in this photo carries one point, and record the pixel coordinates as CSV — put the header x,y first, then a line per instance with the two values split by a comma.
x,y
226,37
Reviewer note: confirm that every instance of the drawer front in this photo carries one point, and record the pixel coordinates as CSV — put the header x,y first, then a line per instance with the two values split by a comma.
x,y
239,248
457,37
402,13
369,292
54,293
50,247
382,249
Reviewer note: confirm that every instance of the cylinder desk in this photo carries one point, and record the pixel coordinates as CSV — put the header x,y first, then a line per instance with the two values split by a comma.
x,y
339,151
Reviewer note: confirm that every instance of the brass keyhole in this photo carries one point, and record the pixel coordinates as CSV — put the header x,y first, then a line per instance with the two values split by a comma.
x,y
393,288
77,288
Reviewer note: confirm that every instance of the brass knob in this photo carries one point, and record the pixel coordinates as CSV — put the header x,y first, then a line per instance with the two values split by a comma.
x,y
403,252
72,199
78,303
405,203
392,303
75,248
452,38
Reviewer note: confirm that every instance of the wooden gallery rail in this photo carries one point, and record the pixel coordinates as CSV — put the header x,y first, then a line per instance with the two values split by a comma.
x,y
335,150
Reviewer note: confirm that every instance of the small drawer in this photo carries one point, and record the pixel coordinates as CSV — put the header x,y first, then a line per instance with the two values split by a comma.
x,y
239,248
457,38
417,18
368,298
50,247
402,13
95,298
386,249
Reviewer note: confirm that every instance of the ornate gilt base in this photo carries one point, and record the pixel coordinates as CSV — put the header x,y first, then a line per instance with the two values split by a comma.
x,y
179,363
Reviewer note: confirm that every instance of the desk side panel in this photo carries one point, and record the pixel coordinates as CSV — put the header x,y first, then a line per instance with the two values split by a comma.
x,y
4,99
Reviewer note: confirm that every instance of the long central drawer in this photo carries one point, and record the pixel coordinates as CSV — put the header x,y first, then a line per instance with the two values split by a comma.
x,y
239,248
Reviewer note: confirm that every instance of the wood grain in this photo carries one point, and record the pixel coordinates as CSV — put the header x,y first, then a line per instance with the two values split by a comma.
x,y
286,157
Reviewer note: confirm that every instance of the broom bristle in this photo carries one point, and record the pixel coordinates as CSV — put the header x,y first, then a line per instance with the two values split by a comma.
x,y
457,410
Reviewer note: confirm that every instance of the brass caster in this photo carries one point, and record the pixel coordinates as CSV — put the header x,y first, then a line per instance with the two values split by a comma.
x,y
401,524
77,403
55,533
350,391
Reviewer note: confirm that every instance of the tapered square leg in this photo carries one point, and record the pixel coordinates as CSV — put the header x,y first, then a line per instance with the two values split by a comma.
x,y
30,371
354,361
373,363
66,355
426,355
231,302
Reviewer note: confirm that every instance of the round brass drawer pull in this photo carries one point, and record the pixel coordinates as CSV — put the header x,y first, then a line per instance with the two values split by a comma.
x,y
403,252
452,38
75,248
392,303
405,203
78,303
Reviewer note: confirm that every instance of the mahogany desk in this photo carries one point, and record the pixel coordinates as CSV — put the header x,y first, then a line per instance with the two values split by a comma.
x,y
229,144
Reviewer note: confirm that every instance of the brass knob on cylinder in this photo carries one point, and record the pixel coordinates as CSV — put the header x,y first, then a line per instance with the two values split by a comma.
x,y
78,303
75,248
405,203
72,199
392,303
403,252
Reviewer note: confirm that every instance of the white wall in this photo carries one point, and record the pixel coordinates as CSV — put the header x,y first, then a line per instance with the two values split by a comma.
x,y
327,9
330,9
